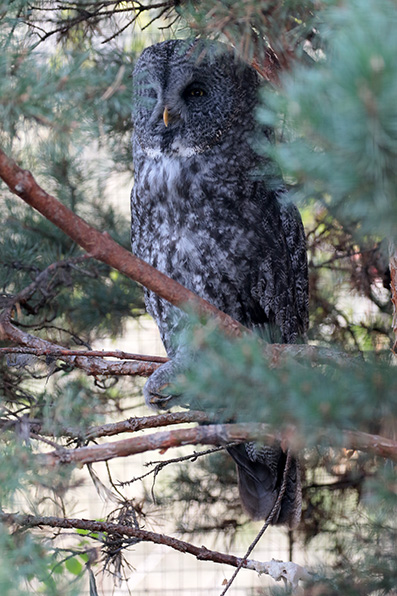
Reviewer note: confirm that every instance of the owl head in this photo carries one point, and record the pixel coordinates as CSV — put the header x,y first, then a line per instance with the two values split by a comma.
x,y
189,96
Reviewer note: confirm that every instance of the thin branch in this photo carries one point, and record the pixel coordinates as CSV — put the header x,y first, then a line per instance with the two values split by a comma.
x,y
158,466
103,248
92,366
136,424
58,353
133,424
276,569
43,277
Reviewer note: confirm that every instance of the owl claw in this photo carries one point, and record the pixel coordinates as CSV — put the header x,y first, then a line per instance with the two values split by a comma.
x,y
159,398
158,390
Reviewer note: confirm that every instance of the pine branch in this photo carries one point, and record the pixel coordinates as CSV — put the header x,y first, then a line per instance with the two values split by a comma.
x,y
214,434
103,248
278,570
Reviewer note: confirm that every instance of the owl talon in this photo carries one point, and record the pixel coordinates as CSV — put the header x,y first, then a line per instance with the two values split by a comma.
x,y
158,391
157,399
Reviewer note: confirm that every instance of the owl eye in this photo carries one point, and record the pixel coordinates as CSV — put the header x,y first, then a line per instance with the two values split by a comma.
x,y
194,90
151,92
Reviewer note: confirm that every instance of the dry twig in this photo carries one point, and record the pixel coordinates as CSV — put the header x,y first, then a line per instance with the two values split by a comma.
x,y
91,365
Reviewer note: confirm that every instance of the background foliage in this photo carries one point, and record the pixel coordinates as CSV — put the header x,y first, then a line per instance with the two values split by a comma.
x,y
65,98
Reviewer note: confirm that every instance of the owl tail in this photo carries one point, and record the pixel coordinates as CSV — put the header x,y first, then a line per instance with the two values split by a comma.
x,y
260,476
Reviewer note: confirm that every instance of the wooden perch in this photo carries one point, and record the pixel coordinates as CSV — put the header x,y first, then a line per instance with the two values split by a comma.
x,y
103,248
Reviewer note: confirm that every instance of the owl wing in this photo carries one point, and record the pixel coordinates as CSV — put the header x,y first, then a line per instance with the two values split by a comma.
x,y
280,283
281,289
295,239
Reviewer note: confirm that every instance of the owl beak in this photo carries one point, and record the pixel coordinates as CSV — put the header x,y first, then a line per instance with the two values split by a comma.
x,y
166,116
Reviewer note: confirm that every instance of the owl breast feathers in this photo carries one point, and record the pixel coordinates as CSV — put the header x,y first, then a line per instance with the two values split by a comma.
x,y
213,214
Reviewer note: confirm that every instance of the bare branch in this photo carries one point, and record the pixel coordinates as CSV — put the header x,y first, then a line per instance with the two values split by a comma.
x,y
55,352
133,424
213,434
276,569
216,434
65,16
92,366
375,444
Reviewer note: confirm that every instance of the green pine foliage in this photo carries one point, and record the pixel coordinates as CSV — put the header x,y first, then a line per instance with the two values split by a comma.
x,y
343,117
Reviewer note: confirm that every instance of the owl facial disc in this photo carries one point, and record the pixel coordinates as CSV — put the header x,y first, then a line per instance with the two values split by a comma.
x,y
189,96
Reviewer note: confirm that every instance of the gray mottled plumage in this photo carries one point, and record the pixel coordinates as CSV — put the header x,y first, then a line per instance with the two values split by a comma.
x,y
209,212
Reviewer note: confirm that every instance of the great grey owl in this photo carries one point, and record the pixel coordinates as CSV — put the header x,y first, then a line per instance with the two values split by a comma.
x,y
211,213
